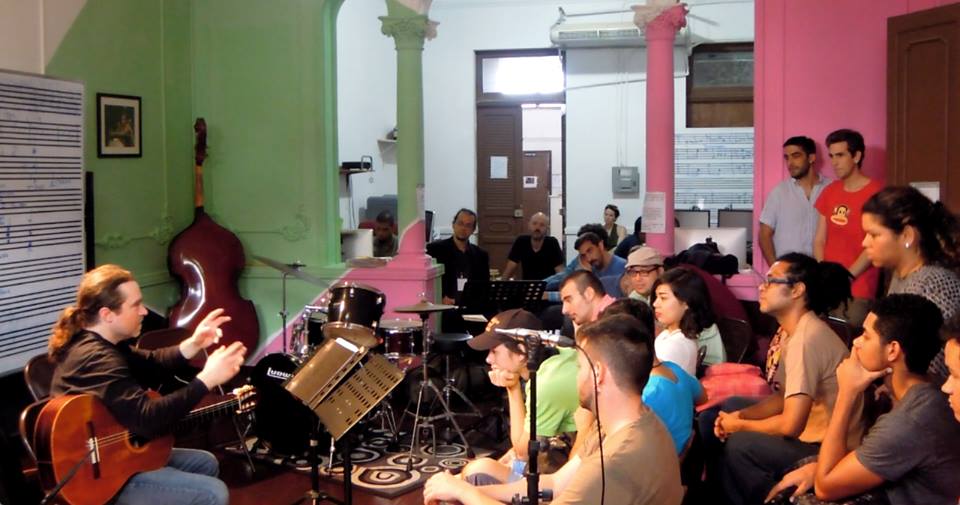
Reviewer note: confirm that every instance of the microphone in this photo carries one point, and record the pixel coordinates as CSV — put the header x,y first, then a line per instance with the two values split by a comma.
x,y
545,337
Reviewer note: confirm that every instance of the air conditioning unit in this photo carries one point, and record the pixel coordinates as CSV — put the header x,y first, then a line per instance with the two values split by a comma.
x,y
622,34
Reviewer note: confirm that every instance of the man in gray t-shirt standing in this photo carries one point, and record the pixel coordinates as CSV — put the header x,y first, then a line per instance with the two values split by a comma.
x,y
912,454
789,220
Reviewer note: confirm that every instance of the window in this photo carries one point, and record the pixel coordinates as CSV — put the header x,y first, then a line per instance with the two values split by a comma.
x,y
720,86
520,76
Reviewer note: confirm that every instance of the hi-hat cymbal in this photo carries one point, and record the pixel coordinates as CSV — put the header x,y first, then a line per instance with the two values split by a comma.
x,y
423,307
293,270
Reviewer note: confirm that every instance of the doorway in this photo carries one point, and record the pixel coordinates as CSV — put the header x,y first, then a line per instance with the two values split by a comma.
x,y
520,108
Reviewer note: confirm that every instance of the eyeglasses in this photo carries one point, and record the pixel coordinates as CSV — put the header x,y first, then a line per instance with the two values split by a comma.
x,y
641,271
777,280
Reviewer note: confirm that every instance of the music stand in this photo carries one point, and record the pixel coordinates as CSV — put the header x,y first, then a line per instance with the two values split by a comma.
x,y
492,297
341,387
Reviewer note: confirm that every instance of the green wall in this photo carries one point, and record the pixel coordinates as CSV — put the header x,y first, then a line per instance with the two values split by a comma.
x,y
262,74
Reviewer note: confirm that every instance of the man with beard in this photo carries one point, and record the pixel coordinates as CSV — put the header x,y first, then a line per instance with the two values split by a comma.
x,y
789,220
461,260
538,254
639,465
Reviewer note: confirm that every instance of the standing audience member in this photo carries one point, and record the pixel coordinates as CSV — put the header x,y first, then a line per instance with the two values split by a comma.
x,y
765,438
615,232
538,254
839,236
912,454
789,220
682,306
919,241
639,466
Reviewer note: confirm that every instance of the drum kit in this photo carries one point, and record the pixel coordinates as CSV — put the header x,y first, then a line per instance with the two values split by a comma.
x,y
350,312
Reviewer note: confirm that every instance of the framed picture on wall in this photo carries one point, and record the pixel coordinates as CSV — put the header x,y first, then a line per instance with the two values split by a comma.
x,y
118,126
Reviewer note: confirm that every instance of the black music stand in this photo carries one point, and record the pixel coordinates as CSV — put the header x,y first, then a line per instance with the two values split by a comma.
x,y
341,387
492,297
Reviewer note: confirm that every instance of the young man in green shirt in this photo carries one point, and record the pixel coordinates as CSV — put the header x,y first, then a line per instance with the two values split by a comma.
x,y
556,394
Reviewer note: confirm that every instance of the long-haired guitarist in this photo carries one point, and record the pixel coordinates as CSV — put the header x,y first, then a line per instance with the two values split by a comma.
x,y
90,344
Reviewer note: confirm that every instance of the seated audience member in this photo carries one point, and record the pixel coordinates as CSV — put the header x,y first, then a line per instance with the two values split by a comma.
x,y
682,306
912,454
384,241
644,266
670,392
635,239
591,256
615,232
764,439
951,386
640,465
538,254
583,297
556,394
918,241
461,260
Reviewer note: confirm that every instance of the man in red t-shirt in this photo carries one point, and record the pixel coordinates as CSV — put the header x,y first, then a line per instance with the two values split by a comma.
x,y
839,236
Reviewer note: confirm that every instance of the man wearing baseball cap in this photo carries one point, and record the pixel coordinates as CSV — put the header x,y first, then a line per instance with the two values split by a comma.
x,y
556,393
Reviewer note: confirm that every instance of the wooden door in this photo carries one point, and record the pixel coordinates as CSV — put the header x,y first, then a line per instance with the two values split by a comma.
x,y
499,177
923,99
535,184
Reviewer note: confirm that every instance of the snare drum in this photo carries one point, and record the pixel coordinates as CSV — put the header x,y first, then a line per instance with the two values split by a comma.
x,y
354,312
315,318
400,337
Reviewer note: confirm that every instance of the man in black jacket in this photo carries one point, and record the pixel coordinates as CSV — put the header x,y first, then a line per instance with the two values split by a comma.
x,y
91,345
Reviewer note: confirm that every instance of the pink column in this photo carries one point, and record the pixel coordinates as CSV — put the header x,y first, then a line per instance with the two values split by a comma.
x,y
660,34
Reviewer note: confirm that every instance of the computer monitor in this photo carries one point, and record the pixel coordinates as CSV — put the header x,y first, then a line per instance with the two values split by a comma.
x,y
729,241
736,218
692,218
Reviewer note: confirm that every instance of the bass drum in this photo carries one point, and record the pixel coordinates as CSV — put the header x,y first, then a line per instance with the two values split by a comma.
x,y
282,422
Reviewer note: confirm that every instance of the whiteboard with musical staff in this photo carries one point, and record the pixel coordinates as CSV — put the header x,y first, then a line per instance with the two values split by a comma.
x,y
714,170
41,209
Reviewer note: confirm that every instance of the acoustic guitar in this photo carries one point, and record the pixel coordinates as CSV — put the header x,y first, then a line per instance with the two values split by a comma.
x,y
77,434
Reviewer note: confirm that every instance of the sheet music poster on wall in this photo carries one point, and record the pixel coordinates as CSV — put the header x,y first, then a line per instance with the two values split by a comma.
x,y
714,170
41,209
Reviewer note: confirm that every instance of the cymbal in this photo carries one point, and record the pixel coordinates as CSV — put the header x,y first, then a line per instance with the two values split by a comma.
x,y
293,269
423,307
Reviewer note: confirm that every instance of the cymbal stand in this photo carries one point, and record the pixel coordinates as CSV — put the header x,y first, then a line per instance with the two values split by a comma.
x,y
296,265
419,421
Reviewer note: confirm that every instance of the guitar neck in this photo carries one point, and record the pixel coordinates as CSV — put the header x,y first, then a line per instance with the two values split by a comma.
x,y
206,414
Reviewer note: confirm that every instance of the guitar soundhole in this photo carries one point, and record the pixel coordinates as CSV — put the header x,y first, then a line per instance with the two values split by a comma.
x,y
138,441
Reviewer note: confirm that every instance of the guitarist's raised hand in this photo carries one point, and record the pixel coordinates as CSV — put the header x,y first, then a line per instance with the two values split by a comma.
x,y
208,332
222,365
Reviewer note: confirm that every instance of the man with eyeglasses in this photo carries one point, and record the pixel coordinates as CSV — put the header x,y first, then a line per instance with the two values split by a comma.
x,y
644,265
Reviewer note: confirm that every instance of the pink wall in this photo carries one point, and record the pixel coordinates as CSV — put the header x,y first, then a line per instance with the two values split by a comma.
x,y
820,66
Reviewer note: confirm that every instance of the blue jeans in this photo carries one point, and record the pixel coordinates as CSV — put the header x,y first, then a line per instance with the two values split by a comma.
x,y
190,478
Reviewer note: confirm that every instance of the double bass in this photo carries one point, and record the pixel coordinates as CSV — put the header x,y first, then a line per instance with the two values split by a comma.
x,y
207,259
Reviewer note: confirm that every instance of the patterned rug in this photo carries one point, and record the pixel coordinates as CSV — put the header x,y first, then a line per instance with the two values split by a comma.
x,y
376,468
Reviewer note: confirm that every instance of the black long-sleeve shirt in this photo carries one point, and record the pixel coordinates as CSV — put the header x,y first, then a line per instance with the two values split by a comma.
x,y
93,365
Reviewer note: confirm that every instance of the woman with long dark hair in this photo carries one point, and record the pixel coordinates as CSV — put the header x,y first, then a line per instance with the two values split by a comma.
x,y
917,240
682,307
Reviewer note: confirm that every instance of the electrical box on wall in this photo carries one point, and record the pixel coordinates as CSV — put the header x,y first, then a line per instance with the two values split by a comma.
x,y
626,181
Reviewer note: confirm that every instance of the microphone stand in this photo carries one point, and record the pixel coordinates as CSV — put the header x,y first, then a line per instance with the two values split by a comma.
x,y
534,348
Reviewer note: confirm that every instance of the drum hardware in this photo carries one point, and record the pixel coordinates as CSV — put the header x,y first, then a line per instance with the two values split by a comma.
x,y
449,386
294,270
423,309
